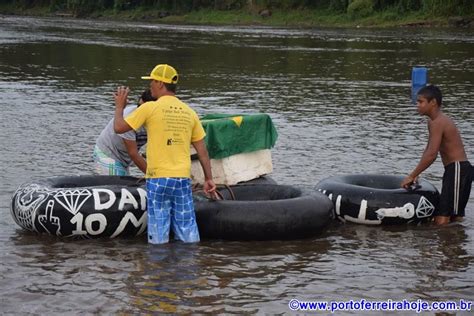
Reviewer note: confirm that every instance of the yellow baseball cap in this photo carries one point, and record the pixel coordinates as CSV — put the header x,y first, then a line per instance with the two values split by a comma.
x,y
164,73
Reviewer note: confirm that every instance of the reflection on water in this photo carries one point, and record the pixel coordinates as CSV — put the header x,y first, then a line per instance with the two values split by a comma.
x,y
340,102
220,277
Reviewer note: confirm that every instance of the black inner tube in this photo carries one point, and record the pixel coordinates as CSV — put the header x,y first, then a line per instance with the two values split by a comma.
x,y
94,181
372,181
261,192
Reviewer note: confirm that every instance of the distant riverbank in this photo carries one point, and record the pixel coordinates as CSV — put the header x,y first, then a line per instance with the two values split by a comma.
x,y
275,18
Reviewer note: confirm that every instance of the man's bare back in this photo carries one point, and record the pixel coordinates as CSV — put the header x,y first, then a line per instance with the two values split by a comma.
x,y
451,147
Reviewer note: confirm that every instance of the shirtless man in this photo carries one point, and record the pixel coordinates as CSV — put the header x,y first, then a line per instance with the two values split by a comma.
x,y
444,138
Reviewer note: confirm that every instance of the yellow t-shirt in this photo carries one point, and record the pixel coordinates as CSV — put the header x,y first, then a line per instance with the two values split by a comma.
x,y
171,126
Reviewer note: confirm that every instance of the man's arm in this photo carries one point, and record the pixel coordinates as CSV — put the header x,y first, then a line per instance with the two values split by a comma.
x,y
132,150
120,125
201,150
435,129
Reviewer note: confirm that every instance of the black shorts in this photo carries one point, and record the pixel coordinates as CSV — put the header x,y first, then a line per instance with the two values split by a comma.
x,y
457,182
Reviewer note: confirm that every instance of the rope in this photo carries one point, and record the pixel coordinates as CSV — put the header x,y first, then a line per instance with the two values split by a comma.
x,y
232,195
197,188
140,181
219,195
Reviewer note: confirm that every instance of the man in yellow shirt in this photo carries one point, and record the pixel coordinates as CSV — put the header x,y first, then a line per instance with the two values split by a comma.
x,y
172,127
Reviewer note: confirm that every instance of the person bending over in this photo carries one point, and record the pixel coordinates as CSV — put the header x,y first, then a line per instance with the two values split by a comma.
x,y
114,153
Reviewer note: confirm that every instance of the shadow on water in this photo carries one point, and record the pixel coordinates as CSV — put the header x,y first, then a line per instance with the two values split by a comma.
x,y
219,276
209,277
446,255
233,277
402,262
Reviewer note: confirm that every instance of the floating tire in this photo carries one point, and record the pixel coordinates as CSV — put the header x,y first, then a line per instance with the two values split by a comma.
x,y
379,199
82,206
114,206
263,212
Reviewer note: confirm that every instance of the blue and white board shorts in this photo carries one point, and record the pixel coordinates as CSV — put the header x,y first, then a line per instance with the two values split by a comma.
x,y
104,165
170,202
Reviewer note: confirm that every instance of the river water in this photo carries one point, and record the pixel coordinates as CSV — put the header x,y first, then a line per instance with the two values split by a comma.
x,y
340,100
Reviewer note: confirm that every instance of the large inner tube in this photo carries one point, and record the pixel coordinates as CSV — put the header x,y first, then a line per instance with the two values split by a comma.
x,y
112,206
379,199
84,206
263,212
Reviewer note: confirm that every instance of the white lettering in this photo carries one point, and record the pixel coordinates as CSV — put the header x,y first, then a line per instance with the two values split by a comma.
x,y
78,219
100,218
338,205
363,209
110,199
129,217
127,198
361,218
142,198
406,211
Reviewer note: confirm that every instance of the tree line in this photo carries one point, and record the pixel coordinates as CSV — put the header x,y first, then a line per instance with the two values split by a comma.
x,y
352,7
